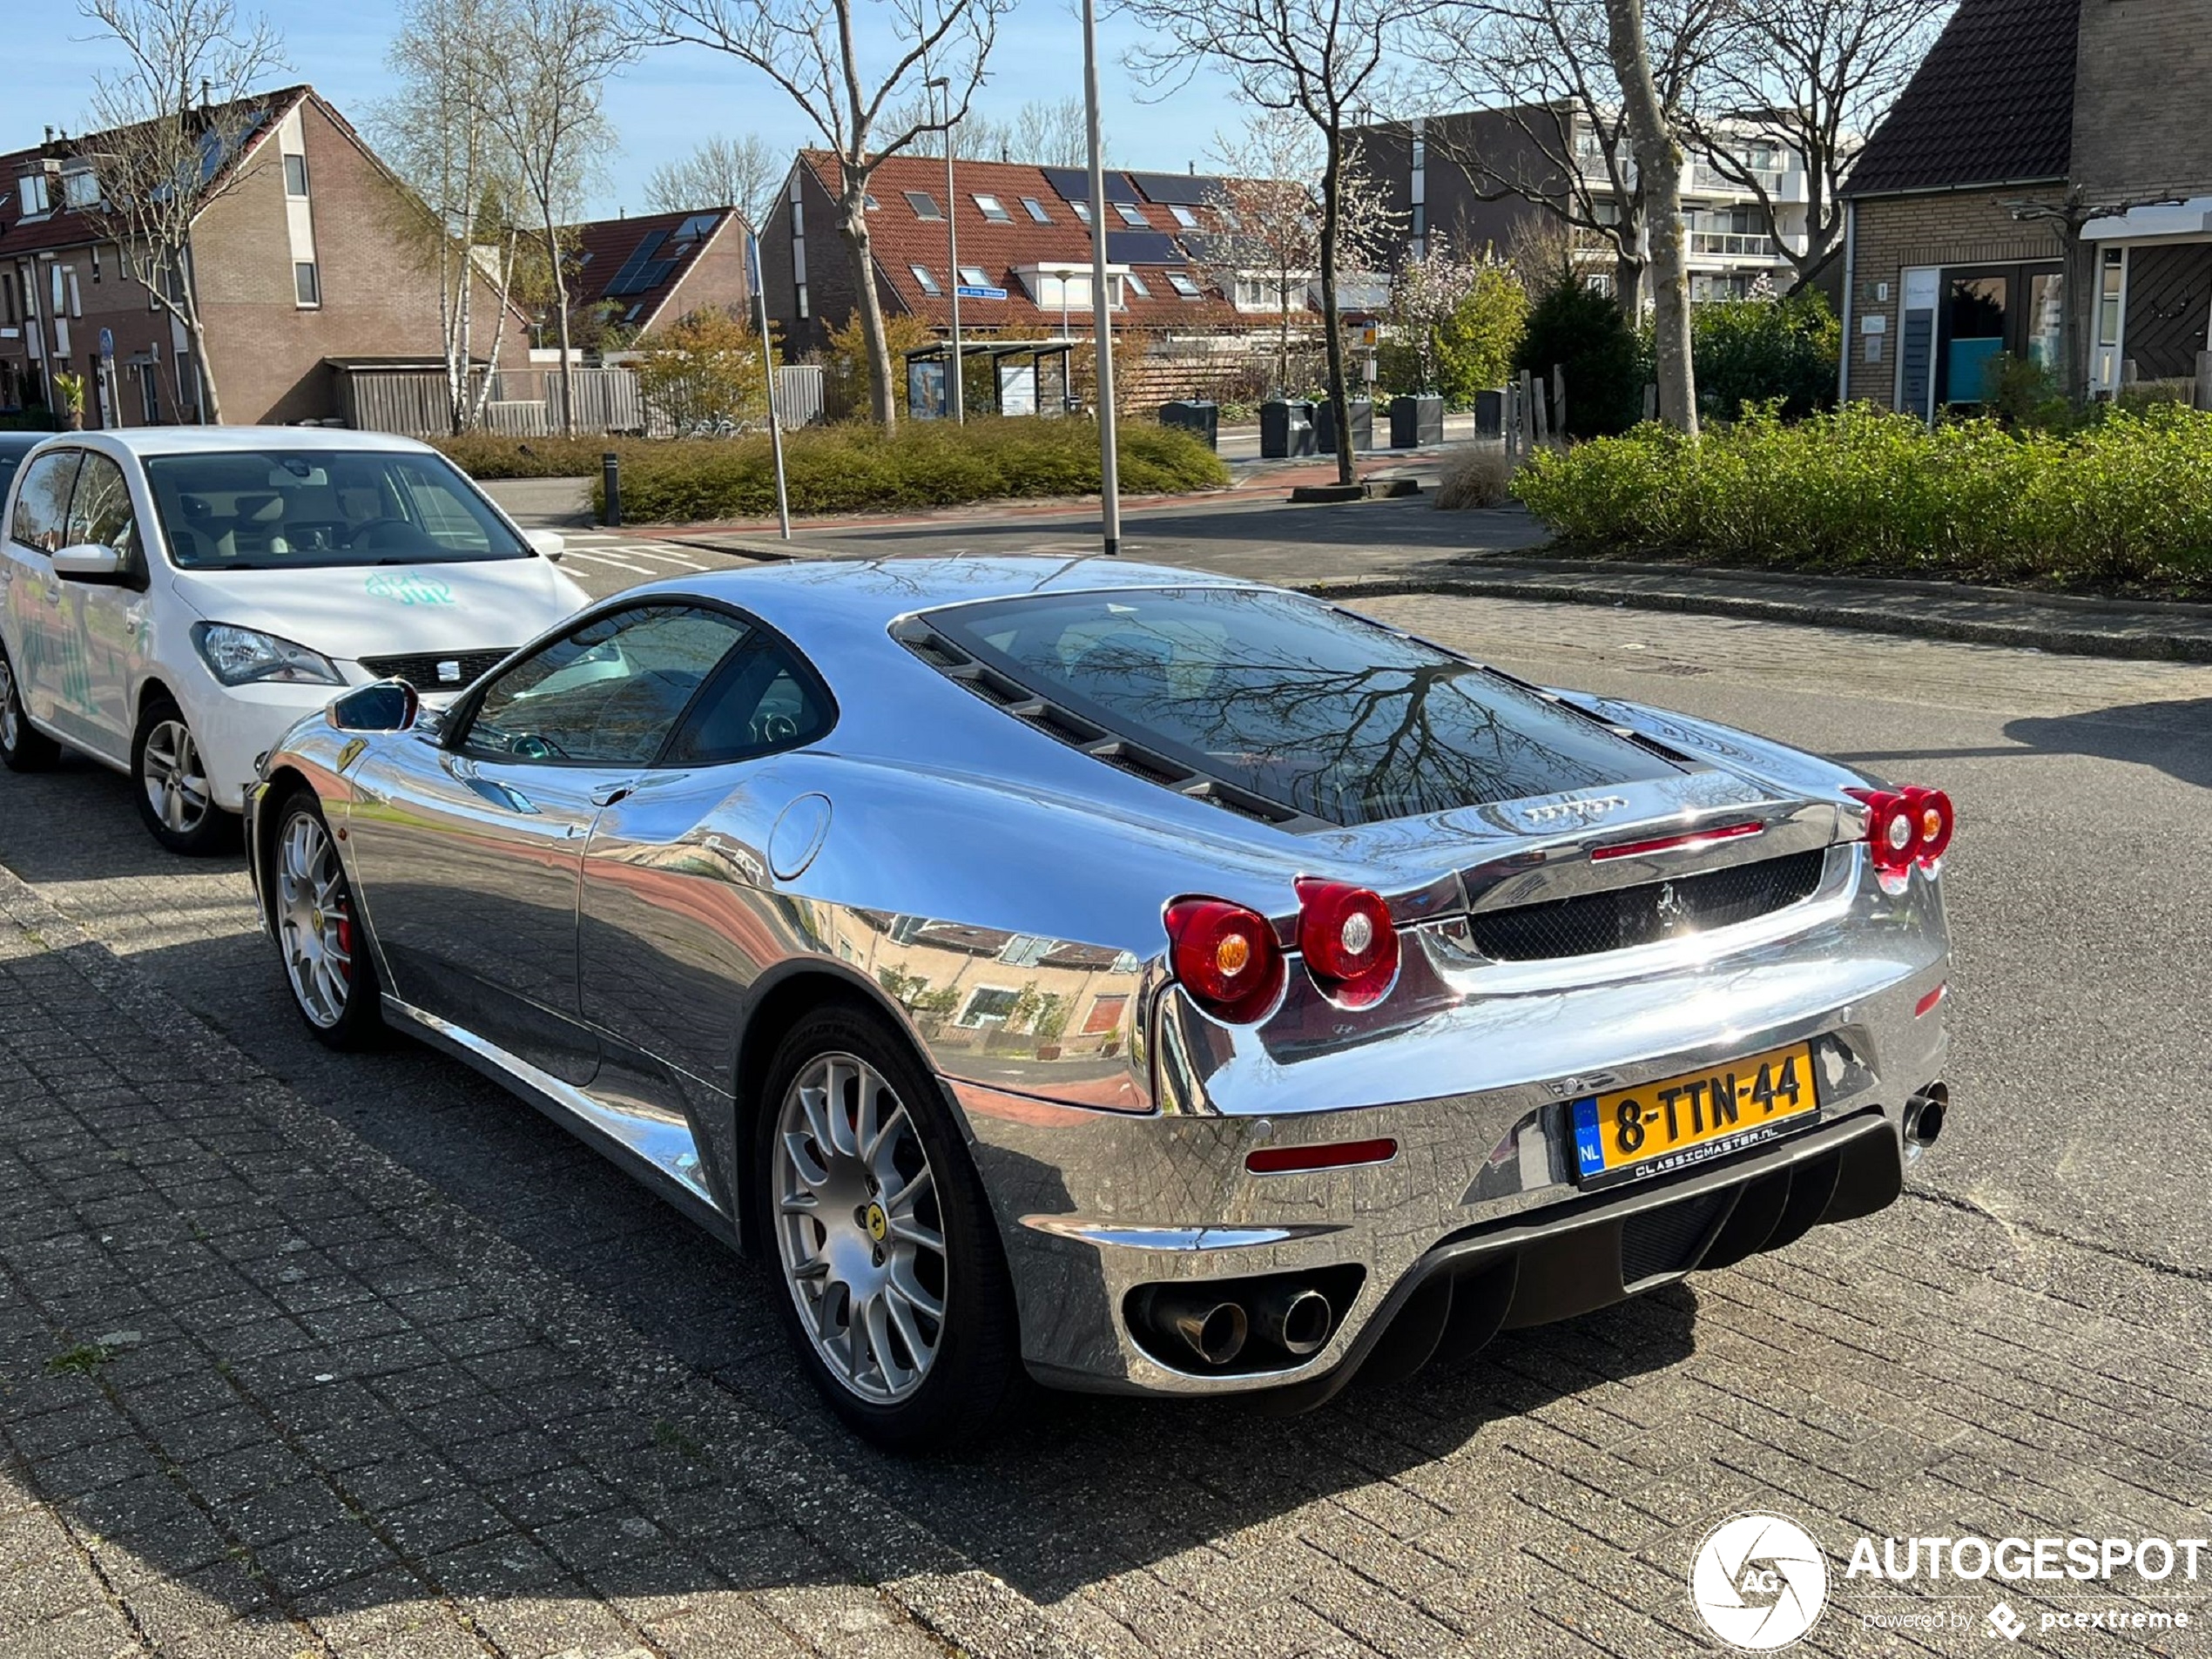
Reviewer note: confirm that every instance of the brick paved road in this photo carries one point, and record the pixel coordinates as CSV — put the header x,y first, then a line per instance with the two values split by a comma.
x,y
2019,1347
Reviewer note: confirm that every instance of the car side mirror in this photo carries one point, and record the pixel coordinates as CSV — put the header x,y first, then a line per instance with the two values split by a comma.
x,y
548,546
388,705
87,562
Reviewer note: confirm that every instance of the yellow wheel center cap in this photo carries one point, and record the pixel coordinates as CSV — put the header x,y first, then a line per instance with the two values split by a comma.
x,y
315,920
879,1223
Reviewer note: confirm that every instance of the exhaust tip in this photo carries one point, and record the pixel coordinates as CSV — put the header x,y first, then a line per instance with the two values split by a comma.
x,y
1297,1320
1211,1331
1923,1117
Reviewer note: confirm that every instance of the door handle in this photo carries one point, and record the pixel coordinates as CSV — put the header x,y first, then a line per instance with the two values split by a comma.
x,y
608,794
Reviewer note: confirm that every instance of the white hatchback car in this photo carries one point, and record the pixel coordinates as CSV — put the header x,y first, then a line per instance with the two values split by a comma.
x,y
174,600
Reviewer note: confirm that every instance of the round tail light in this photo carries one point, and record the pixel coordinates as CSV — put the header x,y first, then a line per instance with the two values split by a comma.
x,y
1226,957
1907,826
1346,935
1932,822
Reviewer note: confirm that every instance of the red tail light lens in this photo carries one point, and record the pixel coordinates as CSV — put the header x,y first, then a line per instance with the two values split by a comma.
x,y
1907,826
1346,935
1226,957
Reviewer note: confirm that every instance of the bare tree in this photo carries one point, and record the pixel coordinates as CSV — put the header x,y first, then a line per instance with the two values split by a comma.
x,y
460,213
557,56
1324,60
1547,66
1051,133
1267,216
724,172
975,137
174,125
1660,159
813,50
1812,78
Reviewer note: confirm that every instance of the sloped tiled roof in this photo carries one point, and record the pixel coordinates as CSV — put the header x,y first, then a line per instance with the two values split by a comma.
x,y
65,228
901,239
1992,104
635,264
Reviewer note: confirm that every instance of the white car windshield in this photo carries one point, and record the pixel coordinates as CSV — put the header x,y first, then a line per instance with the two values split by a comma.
x,y
291,510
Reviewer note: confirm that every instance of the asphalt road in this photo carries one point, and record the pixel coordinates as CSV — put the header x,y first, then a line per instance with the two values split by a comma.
x,y
2014,1340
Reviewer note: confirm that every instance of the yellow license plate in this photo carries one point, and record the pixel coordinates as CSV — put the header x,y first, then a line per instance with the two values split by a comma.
x,y
1677,1121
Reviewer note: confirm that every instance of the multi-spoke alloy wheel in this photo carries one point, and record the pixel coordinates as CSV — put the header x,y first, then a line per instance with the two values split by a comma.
x,y
896,1288
314,918
175,797
858,1229
175,782
318,927
22,748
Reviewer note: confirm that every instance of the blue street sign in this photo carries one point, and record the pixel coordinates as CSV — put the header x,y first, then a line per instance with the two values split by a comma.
x,y
967,293
107,343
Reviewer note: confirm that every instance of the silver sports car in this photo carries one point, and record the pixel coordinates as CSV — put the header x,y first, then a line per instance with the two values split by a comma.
x,y
1141,980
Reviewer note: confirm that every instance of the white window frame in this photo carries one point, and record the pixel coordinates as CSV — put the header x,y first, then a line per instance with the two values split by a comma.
x,y
1131,215
290,159
1183,286
306,302
990,207
927,279
970,1021
915,198
1036,210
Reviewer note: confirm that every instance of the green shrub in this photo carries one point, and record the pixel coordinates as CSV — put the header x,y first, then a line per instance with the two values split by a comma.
x,y
487,455
1765,351
1476,345
854,468
2126,499
1582,332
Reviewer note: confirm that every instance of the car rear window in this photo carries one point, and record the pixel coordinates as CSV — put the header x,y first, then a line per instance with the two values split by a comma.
x,y
1319,711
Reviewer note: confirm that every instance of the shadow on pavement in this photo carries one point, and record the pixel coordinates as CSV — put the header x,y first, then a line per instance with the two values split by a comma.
x,y
2176,738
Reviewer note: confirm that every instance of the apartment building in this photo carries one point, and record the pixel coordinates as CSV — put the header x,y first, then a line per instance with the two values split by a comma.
x,y
297,270
1483,177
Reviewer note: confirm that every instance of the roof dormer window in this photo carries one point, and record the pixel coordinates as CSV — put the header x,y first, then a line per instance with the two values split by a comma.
x,y
37,195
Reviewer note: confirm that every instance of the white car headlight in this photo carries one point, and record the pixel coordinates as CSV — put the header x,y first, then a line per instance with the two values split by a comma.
x,y
237,655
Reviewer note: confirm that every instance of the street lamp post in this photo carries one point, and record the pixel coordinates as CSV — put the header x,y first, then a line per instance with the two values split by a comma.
x,y
955,399
1109,479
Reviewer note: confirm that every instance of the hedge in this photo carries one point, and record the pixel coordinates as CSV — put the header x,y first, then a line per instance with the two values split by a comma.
x,y
856,468
2126,500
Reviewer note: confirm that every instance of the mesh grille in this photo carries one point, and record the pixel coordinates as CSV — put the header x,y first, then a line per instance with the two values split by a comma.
x,y
422,670
1648,912
1663,1240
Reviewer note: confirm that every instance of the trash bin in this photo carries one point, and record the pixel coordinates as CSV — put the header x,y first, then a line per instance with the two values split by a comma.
x,y
1285,429
1490,414
1361,418
1416,422
1196,415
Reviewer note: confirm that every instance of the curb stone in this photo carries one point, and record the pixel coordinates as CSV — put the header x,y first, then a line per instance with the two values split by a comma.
x,y
948,1595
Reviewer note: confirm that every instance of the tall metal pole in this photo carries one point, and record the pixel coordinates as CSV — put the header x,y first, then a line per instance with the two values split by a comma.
x,y
768,368
1109,478
956,398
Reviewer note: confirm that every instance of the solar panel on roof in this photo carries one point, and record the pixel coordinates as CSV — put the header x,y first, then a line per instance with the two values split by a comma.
x,y
1142,247
1074,184
1191,190
626,280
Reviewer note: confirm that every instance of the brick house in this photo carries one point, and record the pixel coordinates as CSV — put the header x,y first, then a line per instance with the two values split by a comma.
x,y
2034,192
297,269
636,275
1022,229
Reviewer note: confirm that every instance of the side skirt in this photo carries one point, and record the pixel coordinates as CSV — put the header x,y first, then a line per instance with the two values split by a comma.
x,y
660,1155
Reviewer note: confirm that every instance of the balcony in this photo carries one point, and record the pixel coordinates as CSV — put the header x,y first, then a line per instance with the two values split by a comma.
x,y
1733,245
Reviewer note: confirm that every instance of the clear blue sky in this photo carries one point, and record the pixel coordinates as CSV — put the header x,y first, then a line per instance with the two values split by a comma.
x,y
662,105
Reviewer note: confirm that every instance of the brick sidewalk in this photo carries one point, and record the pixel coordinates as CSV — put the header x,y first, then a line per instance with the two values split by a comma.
x,y
262,1391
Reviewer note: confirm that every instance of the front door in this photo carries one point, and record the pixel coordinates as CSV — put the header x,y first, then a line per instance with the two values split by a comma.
x,y
470,850
110,618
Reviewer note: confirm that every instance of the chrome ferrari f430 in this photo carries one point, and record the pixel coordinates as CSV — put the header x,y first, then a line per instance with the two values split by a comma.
x,y
1141,980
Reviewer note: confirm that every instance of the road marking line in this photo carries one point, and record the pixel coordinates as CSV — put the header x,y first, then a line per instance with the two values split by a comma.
x,y
620,564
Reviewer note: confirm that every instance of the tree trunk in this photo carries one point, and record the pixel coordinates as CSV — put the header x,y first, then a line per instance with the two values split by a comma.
x,y
561,308
2077,308
210,402
499,328
1628,287
1332,215
853,226
1659,164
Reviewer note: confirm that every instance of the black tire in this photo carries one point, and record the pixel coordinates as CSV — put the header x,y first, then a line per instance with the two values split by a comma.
x,y
357,1021
975,1376
23,746
194,828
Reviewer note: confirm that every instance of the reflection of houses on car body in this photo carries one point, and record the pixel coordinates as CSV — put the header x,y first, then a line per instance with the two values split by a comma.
x,y
1469,176
631,276
298,269
2027,114
1025,251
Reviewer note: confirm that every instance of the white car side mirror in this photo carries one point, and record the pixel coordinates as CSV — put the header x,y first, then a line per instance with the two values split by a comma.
x,y
547,544
87,560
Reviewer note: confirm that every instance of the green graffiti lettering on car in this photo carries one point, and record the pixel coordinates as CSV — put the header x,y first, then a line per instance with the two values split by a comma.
x,y
410,589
